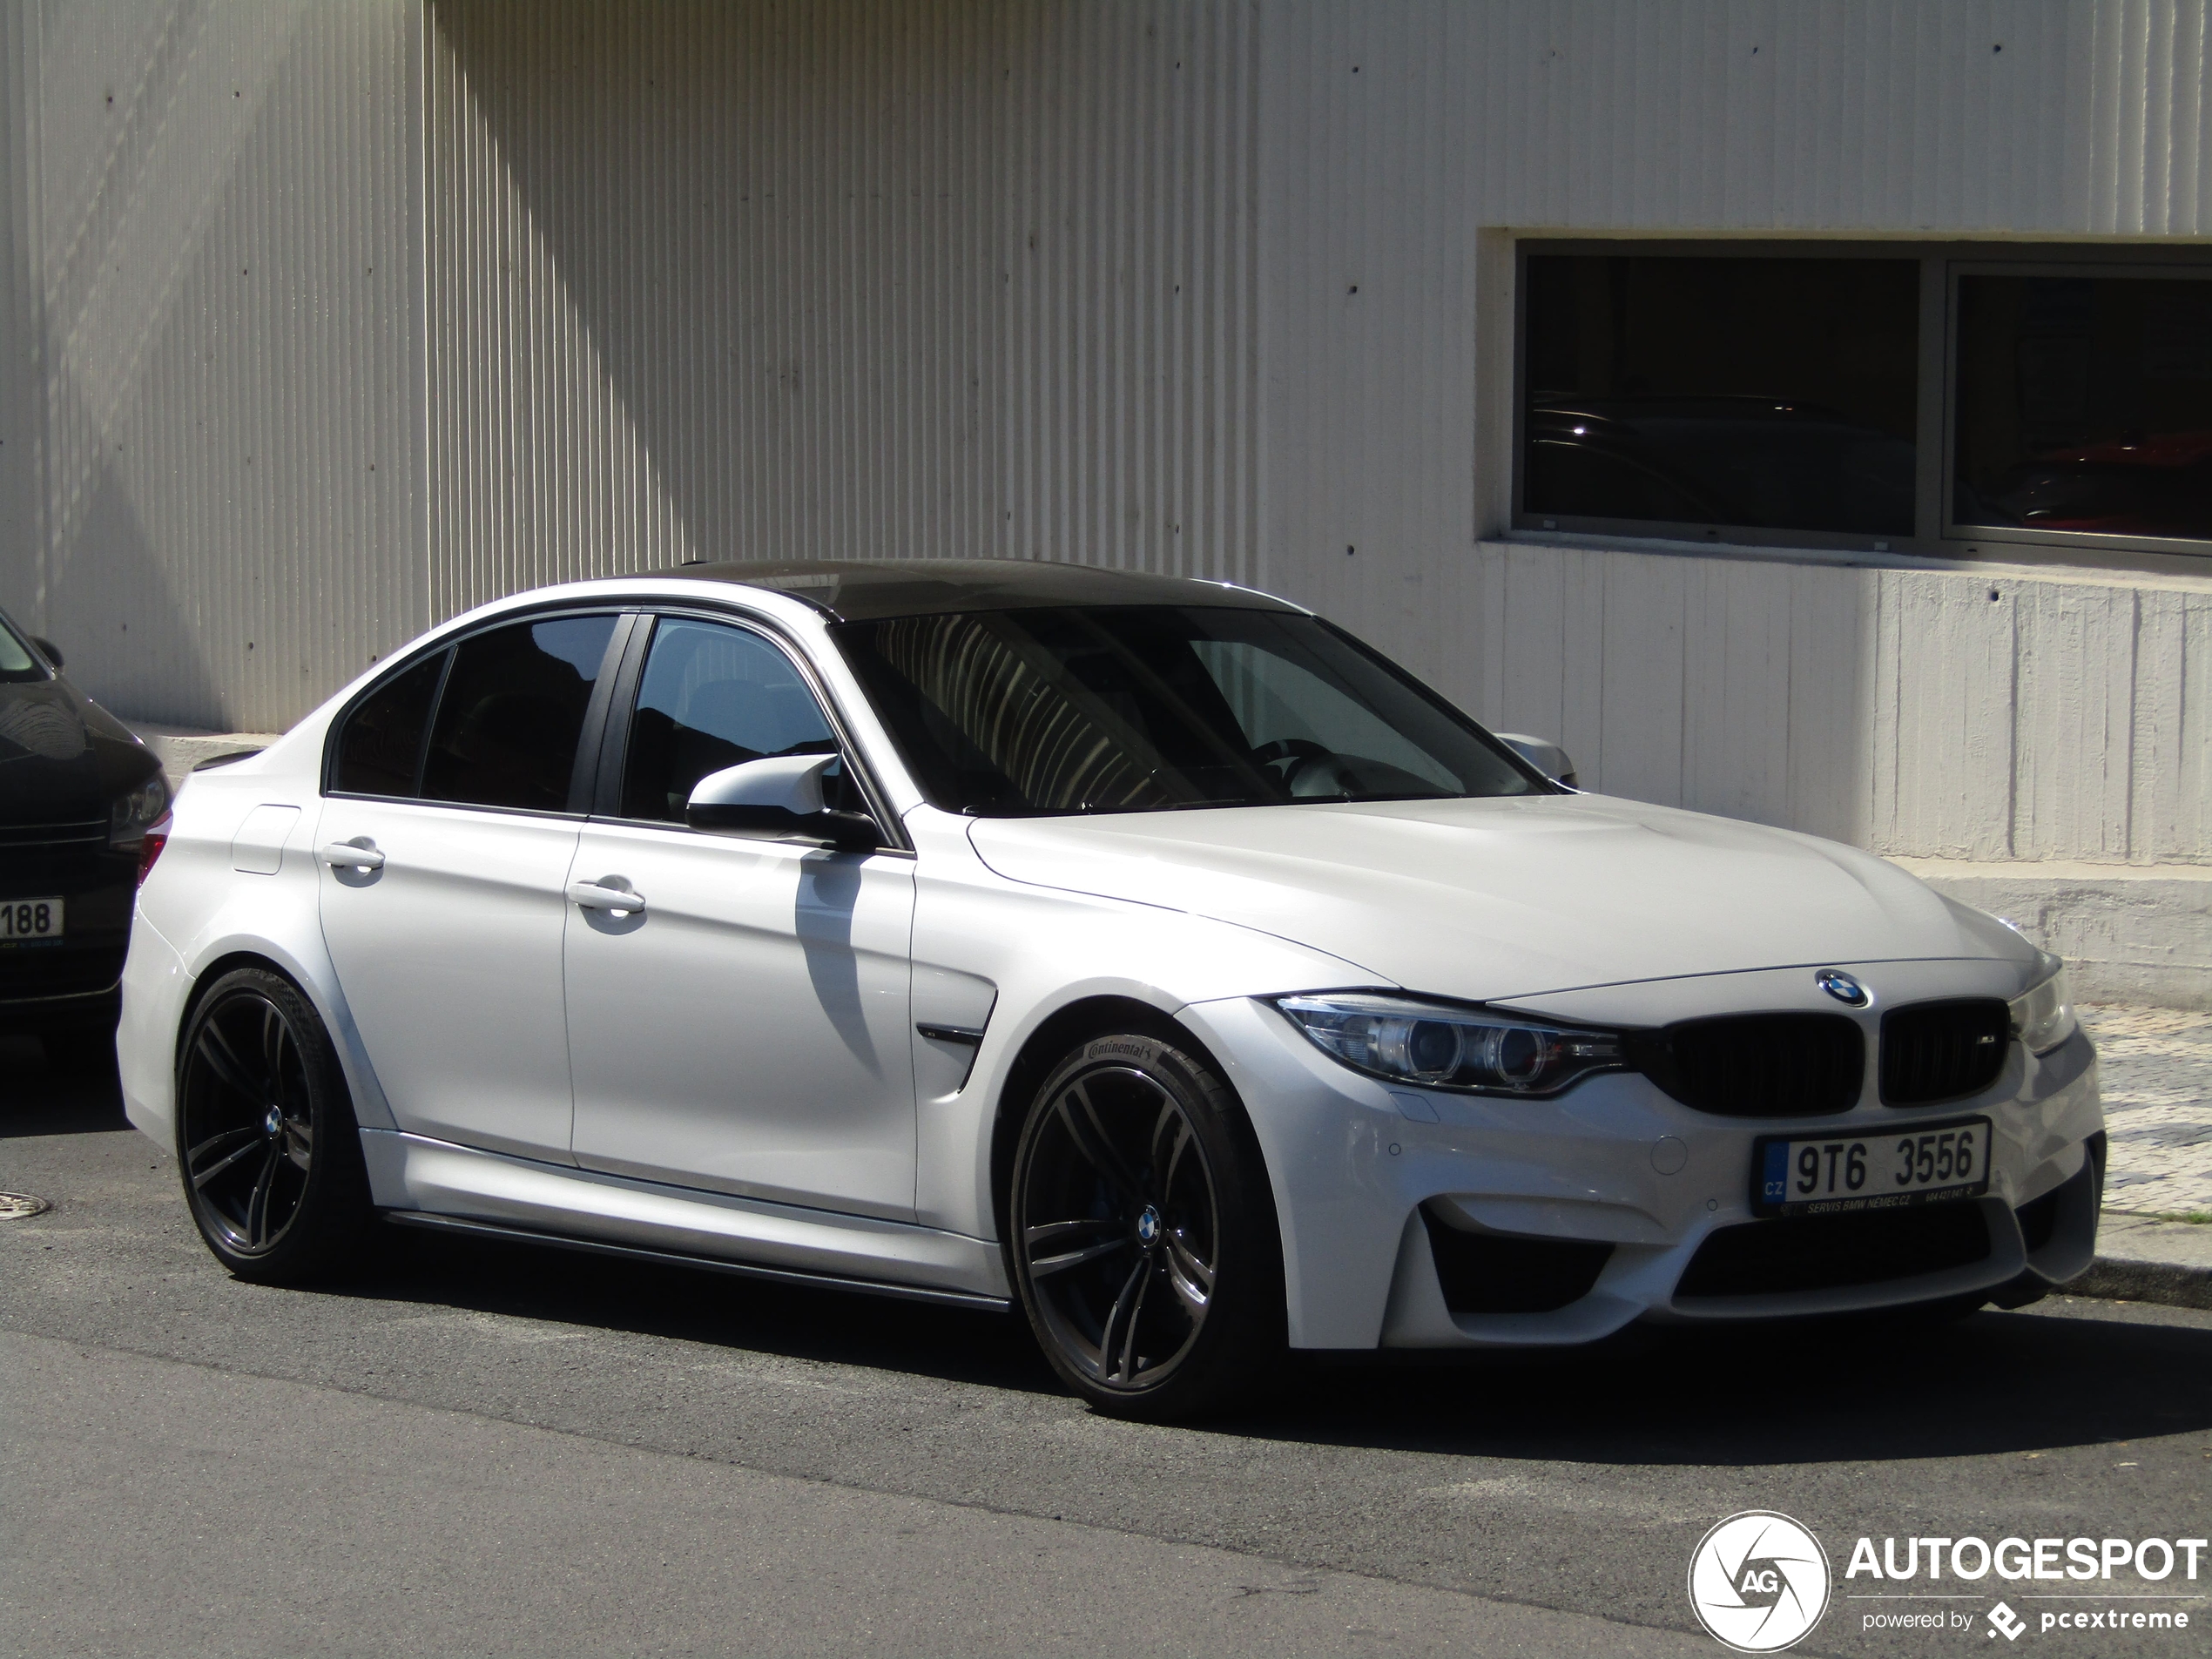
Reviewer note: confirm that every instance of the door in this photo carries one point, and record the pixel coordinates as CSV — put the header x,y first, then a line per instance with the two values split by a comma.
x,y
745,1030
456,784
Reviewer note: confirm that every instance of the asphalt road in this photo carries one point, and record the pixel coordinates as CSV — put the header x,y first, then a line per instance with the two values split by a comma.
x,y
473,1447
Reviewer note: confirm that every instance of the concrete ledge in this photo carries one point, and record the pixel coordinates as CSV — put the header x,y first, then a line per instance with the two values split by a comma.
x,y
2143,1259
2138,933
181,748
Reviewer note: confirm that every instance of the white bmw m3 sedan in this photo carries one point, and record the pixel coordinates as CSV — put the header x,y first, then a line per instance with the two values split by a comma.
x,y
1148,953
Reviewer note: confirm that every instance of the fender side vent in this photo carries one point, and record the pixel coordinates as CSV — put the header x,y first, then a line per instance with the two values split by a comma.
x,y
1495,1273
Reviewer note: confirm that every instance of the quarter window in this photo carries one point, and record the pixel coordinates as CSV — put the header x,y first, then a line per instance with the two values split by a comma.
x,y
511,711
381,749
713,697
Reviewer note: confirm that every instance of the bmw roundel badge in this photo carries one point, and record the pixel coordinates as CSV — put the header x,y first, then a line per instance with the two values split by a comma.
x,y
1842,986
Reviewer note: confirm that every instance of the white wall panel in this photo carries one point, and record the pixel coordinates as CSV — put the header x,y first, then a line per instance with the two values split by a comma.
x,y
21,334
1903,710
1129,362
230,415
1221,287
711,281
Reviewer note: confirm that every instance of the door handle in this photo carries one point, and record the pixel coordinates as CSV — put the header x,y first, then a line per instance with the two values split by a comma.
x,y
352,855
594,895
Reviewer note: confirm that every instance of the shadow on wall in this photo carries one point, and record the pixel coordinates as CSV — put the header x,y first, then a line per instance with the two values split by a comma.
x,y
110,609
756,249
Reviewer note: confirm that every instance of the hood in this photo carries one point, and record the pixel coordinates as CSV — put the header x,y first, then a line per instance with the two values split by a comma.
x,y
63,759
1490,900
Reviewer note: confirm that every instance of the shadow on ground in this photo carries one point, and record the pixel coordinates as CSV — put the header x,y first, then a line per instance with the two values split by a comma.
x,y
79,1096
2074,1373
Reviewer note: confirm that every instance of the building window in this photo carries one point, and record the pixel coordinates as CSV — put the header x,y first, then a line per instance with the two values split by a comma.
x,y
2084,405
1751,392
1874,396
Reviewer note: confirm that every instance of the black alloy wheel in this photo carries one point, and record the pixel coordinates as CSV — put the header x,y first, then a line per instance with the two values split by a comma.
x,y
271,1158
1142,1240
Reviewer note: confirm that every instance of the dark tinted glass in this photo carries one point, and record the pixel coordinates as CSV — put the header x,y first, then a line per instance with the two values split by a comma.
x,y
511,711
713,697
1142,708
2084,403
1767,393
382,745
18,662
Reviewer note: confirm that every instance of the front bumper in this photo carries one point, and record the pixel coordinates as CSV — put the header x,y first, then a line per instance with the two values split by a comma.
x,y
1605,1196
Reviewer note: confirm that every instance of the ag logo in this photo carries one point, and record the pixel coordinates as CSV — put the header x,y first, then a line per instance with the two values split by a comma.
x,y
1758,1582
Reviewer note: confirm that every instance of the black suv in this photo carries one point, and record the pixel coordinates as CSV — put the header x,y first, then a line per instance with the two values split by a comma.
x,y
83,809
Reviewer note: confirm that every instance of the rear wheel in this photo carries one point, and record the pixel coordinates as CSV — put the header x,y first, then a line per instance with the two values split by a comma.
x,y
271,1157
1143,1236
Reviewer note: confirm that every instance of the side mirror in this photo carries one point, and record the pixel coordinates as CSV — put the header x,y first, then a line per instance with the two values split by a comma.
x,y
1546,756
779,795
50,652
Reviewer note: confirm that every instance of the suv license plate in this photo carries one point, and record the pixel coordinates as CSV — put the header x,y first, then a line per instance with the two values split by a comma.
x,y
1829,1174
31,922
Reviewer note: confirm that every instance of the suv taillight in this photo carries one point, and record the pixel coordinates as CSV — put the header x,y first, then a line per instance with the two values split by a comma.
x,y
149,846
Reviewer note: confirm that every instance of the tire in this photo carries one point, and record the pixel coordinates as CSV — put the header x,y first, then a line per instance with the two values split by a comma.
x,y
265,1137
1141,1234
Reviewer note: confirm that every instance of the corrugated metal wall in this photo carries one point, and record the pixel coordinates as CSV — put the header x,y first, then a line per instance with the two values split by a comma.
x,y
711,281
1130,353
840,279
20,331
1403,146
228,417
1214,286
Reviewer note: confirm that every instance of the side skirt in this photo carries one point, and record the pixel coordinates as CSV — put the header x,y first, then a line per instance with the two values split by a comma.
x,y
673,1258
414,1179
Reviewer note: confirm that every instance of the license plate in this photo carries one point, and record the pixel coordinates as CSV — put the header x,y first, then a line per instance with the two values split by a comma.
x,y
31,922
1824,1175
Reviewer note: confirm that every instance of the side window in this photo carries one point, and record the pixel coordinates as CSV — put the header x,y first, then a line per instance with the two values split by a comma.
x,y
511,712
381,743
713,697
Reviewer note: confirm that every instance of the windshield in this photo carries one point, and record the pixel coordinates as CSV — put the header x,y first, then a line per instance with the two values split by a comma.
x,y
17,662
1149,708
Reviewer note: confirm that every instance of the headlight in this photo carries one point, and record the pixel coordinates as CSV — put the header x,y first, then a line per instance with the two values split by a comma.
x,y
1440,1047
2043,1018
133,815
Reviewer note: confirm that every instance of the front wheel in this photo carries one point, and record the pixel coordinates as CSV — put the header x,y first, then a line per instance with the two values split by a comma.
x,y
264,1131
1143,1236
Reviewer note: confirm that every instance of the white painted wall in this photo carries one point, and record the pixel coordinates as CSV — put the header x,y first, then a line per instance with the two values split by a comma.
x,y
1220,287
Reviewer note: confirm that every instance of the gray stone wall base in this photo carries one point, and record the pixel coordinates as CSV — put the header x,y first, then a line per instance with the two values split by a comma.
x,y
2138,933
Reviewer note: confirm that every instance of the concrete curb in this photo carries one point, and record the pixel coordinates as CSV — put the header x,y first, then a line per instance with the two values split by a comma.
x,y
2168,1284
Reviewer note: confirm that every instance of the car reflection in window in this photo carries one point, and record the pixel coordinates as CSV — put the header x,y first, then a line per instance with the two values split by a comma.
x,y
1759,462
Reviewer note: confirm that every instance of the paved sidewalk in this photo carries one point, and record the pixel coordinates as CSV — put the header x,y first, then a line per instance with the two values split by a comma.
x,y
2157,1074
